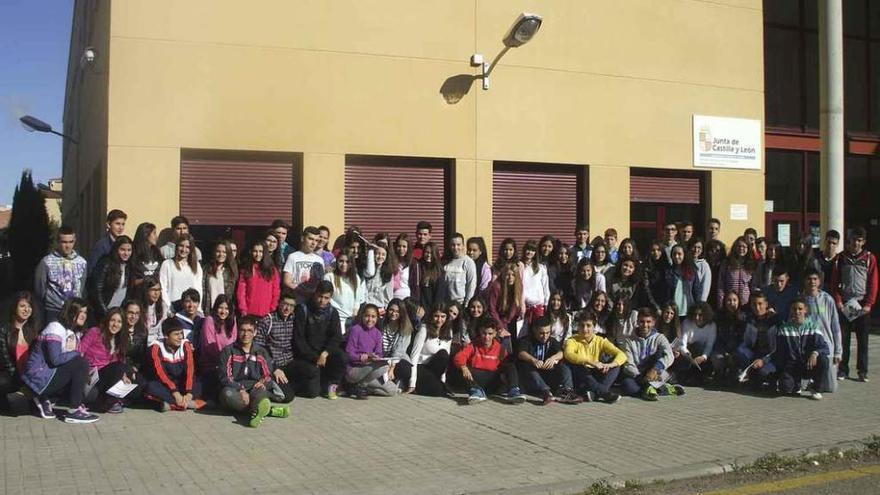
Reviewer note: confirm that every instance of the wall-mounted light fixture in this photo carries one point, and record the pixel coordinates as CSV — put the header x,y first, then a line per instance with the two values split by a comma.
x,y
523,30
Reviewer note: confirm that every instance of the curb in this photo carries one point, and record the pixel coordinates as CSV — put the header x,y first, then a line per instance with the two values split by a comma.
x,y
698,470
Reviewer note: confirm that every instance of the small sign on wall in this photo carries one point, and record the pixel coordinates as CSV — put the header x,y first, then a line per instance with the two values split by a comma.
x,y
723,142
739,211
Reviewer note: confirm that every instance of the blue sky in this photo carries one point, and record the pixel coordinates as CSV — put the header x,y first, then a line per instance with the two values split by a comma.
x,y
34,41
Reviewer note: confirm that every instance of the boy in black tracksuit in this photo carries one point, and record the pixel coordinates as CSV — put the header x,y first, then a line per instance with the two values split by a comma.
x,y
245,374
318,360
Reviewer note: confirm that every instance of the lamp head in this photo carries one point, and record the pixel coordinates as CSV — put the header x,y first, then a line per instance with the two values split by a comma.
x,y
523,30
32,124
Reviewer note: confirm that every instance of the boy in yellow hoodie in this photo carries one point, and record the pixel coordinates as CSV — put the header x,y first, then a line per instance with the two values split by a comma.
x,y
584,353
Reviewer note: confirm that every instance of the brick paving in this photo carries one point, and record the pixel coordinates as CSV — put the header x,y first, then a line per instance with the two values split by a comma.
x,y
424,445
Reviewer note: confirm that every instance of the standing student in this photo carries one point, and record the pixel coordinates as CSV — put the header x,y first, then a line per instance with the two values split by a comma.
x,y
825,257
433,358
801,353
55,366
620,324
693,349
348,290
539,359
272,252
459,280
145,255
601,261
587,355
18,331
648,357
304,269
582,249
505,301
715,255
823,309
318,360
275,333
802,260
750,235
760,247
628,249
656,266
755,354
259,284
507,255
772,262
408,270
321,248
457,324
423,236
220,275
560,274
703,270
736,272
854,284
219,330
115,228
686,232
110,279
601,307
60,275
535,283
670,239
245,377
381,277
180,228
280,228
547,249
105,347
181,272
731,327
611,245
560,321
476,249
477,313
156,310
430,288
367,371
713,230
682,281
173,382
586,282
485,366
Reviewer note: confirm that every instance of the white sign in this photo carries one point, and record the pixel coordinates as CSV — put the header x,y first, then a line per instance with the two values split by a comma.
x,y
724,142
783,234
739,212
768,205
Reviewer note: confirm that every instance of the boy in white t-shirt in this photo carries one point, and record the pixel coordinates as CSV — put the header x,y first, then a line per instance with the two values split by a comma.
x,y
304,269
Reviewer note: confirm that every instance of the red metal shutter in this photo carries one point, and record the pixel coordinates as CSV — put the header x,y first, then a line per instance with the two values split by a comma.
x,y
528,204
233,193
392,195
681,190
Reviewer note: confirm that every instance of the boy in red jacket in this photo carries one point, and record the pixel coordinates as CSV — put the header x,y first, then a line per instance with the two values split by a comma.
x,y
484,364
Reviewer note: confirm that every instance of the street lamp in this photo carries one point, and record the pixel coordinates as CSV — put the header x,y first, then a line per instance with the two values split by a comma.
x,y
32,124
523,30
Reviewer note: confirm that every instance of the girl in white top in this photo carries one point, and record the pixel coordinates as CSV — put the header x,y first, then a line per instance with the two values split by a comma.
x,y
348,290
536,284
379,276
560,321
405,266
434,343
693,348
181,272
601,261
155,308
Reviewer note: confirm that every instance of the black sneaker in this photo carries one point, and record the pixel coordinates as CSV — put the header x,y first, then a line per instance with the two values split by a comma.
x,y
80,415
610,397
44,408
863,377
361,393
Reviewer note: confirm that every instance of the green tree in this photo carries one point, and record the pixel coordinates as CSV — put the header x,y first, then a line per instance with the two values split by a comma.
x,y
28,232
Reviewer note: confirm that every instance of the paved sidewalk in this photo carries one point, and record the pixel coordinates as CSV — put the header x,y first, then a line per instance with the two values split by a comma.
x,y
422,445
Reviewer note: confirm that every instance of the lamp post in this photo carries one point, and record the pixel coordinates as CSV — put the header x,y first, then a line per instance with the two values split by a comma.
x,y
523,30
32,124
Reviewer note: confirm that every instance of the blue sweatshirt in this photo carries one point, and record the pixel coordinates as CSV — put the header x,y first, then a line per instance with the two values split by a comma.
x,y
795,343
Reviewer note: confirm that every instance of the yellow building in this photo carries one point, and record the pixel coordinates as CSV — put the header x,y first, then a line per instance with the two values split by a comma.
x,y
371,113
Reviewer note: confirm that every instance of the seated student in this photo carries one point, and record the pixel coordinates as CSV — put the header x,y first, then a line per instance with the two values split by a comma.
x,y
218,332
156,310
55,364
189,316
433,357
593,376
173,382
275,334
17,332
621,323
560,321
105,348
134,329
245,376
801,352
693,348
366,370
484,365
780,294
648,356
399,342
539,359
318,361
730,326
754,355
824,310
669,324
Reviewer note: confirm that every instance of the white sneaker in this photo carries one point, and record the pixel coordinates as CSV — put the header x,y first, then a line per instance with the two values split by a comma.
x,y
815,396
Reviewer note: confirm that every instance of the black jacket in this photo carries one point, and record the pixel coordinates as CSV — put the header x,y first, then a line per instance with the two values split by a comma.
x,y
100,291
243,370
315,332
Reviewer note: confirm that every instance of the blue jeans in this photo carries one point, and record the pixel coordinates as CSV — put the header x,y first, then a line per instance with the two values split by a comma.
x,y
593,380
545,380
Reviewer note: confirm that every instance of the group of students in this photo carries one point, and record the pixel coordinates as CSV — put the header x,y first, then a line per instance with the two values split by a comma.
x,y
249,331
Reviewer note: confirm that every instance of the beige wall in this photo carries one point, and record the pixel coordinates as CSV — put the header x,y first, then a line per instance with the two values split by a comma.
x,y
610,84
